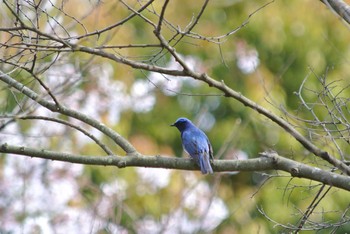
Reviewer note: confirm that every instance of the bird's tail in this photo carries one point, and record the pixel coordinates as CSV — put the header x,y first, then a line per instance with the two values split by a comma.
x,y
204,164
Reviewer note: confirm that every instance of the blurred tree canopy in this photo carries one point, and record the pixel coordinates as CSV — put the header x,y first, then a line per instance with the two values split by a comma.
x,y
107,61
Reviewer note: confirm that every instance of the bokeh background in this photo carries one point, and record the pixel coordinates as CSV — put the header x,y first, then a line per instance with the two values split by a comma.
x,y
280,46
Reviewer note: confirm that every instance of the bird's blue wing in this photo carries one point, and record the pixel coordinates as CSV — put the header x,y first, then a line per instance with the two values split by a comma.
x,y
197,145
194,142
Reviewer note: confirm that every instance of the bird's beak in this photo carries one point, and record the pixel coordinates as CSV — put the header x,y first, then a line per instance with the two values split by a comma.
x,y
172,125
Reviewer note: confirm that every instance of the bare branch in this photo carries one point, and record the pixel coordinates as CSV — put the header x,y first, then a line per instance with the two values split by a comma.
x,y
119,140
99,32
268,161
86,133
318,198
340,7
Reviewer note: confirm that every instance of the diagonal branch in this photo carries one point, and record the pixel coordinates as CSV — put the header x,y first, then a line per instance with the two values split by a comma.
x,y
281,122
340,7
66,123
316,201
118,139
253,105
228,93
117,24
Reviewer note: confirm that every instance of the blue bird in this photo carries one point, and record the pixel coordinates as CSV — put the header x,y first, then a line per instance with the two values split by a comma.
x,y
196,144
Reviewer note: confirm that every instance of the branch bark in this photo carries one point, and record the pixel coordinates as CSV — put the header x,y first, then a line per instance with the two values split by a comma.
x,y
340,8
266,161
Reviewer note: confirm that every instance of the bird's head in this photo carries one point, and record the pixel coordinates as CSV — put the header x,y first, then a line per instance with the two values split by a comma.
x,y
182,123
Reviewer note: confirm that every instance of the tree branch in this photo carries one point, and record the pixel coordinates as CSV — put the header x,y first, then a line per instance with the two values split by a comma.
x,y
227,91
118,139
253,105
268,161
66,123
339,7
281,122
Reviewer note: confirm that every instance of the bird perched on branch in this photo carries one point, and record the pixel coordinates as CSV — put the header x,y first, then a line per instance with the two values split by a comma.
x,y
196,144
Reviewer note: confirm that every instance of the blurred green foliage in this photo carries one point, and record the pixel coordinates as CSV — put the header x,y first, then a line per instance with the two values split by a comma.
x,y
293,40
